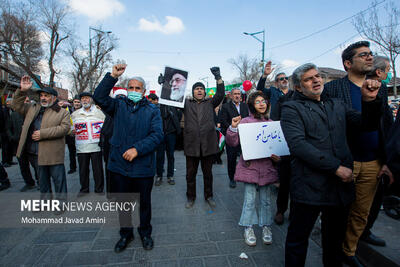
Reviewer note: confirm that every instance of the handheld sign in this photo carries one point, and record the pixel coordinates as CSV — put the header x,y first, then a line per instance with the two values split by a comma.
x,y
262,139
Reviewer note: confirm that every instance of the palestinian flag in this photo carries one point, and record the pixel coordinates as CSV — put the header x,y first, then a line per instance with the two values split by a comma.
x,y
221,141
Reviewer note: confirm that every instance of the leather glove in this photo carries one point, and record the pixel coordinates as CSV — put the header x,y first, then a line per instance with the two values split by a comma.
x,y
161,79
216,72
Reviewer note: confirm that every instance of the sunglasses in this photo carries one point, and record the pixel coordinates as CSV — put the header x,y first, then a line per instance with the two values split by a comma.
x,y
283,78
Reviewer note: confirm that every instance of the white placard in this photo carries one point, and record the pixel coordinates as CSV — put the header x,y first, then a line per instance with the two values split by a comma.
x,y
262,139
173,90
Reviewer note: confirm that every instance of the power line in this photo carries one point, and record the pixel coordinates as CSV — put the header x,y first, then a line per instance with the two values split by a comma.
x,y
326,28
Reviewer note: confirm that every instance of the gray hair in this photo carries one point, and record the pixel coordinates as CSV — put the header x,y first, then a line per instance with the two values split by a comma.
x,y
236,88
139,79
297,73
280,73
379,64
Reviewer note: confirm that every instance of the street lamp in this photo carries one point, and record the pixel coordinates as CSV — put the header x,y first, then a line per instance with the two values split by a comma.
x,y
90,53
262,42
205,79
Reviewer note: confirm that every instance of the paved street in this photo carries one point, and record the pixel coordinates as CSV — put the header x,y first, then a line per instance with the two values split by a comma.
x,y
195,237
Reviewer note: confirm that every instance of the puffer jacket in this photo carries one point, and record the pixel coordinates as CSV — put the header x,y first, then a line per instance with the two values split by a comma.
x,y
135,126
256,171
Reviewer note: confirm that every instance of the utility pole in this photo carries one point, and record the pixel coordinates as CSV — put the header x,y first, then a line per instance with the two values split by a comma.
x,y
262,43
90,54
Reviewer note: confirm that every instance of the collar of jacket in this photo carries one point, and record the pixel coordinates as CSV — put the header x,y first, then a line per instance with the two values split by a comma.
x,y
141,102
299,96
55,106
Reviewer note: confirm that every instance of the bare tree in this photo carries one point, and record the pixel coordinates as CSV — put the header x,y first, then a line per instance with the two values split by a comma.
x,y
90,67
383,30
53,20
19,38
250,69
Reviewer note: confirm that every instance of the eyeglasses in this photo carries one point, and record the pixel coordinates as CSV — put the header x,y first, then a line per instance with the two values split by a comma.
x,y
283,78
364,55
177,80
258,102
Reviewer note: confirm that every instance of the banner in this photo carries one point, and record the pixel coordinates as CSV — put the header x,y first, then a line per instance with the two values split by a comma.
x,y
261,139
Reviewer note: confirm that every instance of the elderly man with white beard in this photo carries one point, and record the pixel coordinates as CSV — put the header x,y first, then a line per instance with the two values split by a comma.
x,y
88,122
43,136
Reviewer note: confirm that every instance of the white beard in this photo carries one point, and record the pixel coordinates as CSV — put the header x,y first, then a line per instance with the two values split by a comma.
x,y
176,94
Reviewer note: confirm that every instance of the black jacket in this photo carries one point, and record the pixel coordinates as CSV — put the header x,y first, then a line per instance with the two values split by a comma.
x,y
171,117
393,147
341,89
275,114
229,111
14,126
315,133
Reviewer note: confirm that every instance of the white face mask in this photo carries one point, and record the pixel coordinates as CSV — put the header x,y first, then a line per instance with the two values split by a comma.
x,y
86,105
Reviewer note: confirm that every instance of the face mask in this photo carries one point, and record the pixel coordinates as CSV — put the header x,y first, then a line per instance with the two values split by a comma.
x,y
86,105
135,96
388,78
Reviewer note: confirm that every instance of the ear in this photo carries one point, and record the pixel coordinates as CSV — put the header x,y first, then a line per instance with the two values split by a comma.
x,y
347,63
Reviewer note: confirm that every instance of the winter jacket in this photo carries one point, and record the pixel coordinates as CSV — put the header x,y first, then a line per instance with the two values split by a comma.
x,y
55,126
93,121
14,126
135,126
199,132
341,89
273,94
171,117
316,135
256,171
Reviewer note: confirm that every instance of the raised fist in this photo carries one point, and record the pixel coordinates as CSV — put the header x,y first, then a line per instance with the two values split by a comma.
x,y
370,89
216,72
118,70
236,121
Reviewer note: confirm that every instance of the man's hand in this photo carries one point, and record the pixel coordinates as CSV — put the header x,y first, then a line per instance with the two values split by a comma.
x,y
36,135
130,154
161,79
26,83
370,89
275,158
345,174
268,69
385,170
118,70
216,72
236,121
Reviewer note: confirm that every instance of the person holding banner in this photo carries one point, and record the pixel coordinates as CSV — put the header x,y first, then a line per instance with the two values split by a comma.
x,y
322,176
88,122
256,173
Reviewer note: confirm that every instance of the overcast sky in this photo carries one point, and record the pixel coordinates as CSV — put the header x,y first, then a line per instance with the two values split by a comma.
x,y
196,35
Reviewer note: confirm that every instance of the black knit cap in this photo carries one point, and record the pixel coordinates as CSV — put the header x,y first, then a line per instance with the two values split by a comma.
x,y
85,94
48,90
198,84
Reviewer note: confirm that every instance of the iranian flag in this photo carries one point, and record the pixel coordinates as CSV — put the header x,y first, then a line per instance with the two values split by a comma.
x,y
221,142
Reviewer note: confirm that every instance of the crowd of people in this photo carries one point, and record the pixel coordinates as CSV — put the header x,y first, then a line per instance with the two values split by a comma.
x,y
341,135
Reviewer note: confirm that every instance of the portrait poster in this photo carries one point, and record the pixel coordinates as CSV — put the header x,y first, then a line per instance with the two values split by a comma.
x,y
262,139
173,91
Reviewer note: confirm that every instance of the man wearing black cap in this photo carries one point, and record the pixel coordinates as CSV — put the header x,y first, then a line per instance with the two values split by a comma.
x,y
88,122
200,143
43,136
